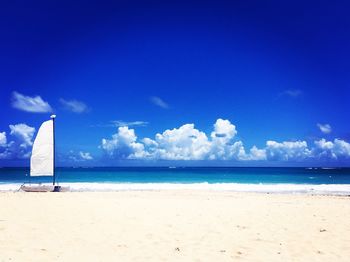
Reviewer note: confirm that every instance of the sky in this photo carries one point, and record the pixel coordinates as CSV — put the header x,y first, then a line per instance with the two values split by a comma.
x,y
231,83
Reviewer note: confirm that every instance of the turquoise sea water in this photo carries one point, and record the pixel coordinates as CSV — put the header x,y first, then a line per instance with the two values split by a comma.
x,y
217,178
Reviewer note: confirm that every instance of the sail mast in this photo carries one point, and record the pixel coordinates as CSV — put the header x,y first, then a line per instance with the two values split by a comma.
x,y
54,149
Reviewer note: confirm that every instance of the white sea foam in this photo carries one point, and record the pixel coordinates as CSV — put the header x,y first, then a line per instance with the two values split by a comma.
x,y
9,187
325,189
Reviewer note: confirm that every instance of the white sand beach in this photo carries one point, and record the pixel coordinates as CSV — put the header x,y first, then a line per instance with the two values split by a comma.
x,y
173,226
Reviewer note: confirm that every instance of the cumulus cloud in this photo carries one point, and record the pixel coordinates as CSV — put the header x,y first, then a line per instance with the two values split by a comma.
x,y
159,102
21,140
5,154
74,106
189,143
123,145
229,151
287,150
221,138
325,128
257,154
183,143
3,139
4,146
24,132
333,150
30,104
224,131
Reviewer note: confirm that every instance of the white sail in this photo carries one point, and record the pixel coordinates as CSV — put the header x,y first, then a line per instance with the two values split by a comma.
x,y
42,159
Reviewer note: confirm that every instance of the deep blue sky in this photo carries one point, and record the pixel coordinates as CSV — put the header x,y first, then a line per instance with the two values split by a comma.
x,y
274,69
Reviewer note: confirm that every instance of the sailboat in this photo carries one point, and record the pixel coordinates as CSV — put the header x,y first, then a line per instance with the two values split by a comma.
x,y
42,161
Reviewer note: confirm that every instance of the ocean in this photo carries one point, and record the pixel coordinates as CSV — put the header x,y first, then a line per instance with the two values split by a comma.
x,y
240,179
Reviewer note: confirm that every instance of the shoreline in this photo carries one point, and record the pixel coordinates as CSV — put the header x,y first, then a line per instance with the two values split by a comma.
x,y
184,192
282,188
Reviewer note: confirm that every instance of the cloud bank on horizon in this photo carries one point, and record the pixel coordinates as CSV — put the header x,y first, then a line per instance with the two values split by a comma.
x,y
189,143
183,144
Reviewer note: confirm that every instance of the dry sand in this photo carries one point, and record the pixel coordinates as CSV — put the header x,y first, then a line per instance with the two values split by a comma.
x,y
173,226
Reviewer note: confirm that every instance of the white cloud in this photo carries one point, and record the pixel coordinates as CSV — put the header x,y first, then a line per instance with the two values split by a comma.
x,y
257,154
224,131
24,132
5,154
229,151
119,123
149,142
20,145
3,139
184,143
73,156
221,141
159,102
30,104
341,148
325,128
74,106
189,143
85,155
324,149
123,144
333,150
287,150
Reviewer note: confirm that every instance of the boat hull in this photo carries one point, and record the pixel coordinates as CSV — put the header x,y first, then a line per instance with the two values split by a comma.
x,y
37,188
44,188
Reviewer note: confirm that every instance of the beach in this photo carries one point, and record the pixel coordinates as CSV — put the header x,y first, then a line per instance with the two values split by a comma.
x,y
173,225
